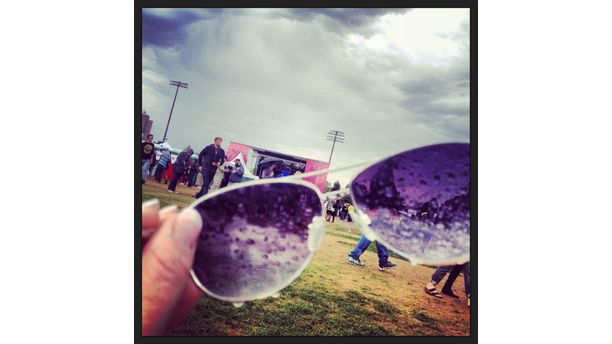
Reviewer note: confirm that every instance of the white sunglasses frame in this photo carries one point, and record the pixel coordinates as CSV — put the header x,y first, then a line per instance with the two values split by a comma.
x,y
360,218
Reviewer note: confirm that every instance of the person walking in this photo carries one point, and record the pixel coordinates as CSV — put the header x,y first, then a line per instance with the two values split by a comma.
x,y
237,173
210,158
193,172
350,209
162,165
147,154
361,246
329,210
447,289
180,167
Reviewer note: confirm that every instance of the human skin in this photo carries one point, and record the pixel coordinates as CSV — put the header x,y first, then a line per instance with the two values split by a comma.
x,y
168,293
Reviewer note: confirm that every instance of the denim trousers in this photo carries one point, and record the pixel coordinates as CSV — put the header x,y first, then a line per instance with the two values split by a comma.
x,y
145,168
362,245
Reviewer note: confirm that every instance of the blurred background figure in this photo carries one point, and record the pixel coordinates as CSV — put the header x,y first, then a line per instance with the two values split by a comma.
x,y
192,173
147,153
269,171
220,175
180,167
237,173
211,157
162,165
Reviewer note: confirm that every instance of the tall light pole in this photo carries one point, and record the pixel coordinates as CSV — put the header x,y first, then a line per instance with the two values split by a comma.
x,y
336,136
178,85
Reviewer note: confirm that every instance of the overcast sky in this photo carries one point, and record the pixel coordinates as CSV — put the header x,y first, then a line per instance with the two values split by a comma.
x,y
280,79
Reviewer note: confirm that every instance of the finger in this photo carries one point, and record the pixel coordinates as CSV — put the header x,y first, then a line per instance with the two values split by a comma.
x,y
166,212
189,300
165,269
150,214
163,215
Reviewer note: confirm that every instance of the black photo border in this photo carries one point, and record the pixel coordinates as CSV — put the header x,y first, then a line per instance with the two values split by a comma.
x,y
471,4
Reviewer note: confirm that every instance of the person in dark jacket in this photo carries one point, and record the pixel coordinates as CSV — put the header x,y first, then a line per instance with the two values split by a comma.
x,y
210,158
193,172
237,173
180,167
147,152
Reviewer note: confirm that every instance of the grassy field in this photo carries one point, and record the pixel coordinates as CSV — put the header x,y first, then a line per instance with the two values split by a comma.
x,y
332,297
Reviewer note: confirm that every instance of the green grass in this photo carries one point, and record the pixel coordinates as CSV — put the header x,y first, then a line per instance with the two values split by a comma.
x,y
303,309
328,299
150,191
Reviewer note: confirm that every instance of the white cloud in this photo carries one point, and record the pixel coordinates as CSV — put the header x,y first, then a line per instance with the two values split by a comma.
x,y
282,79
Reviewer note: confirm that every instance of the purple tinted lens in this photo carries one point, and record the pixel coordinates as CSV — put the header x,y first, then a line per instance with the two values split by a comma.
x,y
255,239
418,203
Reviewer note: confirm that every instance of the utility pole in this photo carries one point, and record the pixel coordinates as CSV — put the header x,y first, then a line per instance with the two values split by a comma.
x,y
178,85
336,136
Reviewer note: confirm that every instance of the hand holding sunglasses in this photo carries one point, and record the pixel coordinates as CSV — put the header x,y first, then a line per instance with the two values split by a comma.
x,y
258,237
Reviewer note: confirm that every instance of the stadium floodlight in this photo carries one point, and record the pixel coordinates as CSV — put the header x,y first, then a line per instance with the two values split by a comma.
x,y
178,85
335,136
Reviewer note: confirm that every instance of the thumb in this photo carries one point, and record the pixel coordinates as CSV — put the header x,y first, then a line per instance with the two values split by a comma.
x,y
166,263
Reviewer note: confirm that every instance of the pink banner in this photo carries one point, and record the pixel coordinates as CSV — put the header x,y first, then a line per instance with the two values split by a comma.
x,y
235,148
315,165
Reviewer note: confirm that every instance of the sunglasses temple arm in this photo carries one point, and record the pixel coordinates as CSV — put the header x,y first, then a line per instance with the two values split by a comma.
x,y
320,172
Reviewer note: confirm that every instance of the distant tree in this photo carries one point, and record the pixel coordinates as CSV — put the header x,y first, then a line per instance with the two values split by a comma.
x,y
328,186
336,186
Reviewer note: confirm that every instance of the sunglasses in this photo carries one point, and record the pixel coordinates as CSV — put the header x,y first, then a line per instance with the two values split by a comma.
x,y
257,237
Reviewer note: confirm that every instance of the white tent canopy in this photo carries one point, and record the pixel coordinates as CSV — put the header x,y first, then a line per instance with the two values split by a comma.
x,y
165,145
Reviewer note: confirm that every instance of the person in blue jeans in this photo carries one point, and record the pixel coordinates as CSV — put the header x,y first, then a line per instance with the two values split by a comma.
x,y
362,245
453,271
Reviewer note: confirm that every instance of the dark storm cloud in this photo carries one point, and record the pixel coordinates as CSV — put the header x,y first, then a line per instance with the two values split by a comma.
x,y
280,79
342,19
168,27
349,17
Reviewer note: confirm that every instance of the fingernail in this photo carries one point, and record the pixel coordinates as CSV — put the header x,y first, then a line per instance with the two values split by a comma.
x,y
165,211
152,203
187,226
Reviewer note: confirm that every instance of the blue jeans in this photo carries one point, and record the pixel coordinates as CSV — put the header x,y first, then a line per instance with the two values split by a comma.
x,y
145,168
362,245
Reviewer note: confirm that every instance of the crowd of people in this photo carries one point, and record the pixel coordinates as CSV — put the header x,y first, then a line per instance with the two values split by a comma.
x,y
211,168
338,209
